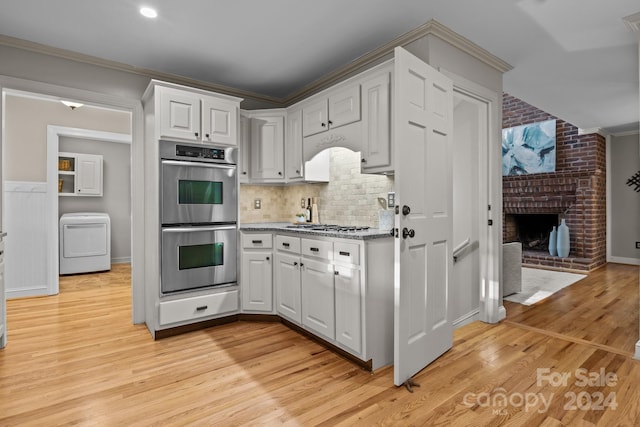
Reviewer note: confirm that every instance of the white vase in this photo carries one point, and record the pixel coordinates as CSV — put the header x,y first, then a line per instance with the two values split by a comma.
x,y
553,240
563,240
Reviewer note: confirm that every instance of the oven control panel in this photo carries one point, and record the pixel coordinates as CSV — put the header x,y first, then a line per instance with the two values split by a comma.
x,y
200,152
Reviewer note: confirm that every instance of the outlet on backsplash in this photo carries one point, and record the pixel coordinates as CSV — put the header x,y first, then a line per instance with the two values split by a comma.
x,y
257,204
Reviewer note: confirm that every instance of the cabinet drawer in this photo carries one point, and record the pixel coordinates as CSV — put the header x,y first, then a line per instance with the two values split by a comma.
x,y
197,307
346,252
317,248
257,241
288,244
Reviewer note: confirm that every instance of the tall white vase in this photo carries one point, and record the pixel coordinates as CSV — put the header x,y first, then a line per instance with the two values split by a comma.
x,y
563,240
553,240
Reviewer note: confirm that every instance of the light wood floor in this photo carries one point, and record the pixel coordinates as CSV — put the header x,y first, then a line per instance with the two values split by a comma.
x,y
75,358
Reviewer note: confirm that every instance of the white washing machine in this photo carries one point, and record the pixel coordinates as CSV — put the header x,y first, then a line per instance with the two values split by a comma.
x,y
85,242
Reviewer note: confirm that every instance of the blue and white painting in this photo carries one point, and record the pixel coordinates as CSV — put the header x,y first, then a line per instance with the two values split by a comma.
x,y
529,149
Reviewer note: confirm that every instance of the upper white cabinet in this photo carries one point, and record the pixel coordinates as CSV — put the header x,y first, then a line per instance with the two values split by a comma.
x,y
293,162
79,174
376,117
267,146
197,117
341,107
244,149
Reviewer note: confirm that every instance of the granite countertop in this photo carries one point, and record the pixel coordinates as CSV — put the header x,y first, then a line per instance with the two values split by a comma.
x,y
370,234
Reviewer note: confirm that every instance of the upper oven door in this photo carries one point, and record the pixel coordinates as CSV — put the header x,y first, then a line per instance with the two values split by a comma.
x,y
198,193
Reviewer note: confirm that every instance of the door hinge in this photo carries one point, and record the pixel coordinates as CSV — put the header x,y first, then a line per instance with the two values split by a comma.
x,y
490,222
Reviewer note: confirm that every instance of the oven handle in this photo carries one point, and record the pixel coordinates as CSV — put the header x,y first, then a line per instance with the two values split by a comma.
x,y
198,164
198,229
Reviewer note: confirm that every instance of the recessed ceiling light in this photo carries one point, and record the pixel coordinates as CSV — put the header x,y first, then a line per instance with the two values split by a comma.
x,y
148,12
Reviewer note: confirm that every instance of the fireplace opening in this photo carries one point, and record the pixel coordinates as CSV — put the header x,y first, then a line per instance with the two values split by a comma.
x,y
532,230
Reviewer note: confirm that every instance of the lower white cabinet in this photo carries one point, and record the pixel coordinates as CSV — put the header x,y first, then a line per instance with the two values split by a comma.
x,y
348,307
288,287
256,279
197,308
318,302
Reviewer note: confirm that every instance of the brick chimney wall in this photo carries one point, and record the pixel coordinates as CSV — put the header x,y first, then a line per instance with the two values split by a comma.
x,y
578,186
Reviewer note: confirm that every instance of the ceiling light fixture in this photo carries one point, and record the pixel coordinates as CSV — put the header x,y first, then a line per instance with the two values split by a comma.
x,y
72,105
148,12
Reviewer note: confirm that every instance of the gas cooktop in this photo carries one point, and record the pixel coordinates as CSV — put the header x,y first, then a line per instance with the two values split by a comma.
x,y
330,227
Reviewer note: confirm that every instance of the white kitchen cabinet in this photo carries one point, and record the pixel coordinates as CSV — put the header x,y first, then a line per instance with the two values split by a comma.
x,y
288,286
339,108
348,307
256,281
376,117
244,150
294,165
267,146
256,276
197,117
79,174
318,303
197,308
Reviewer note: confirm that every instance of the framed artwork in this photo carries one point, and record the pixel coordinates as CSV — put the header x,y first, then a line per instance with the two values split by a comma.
x,y
528,149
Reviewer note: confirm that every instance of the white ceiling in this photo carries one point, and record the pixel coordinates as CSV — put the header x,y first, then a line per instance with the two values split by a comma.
x,y
573,58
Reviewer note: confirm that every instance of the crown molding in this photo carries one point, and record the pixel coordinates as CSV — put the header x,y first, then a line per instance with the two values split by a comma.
x,y
119,66
367,60
633,22
588,131
431,27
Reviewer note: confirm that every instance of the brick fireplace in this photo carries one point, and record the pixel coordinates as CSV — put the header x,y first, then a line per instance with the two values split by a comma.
x,y
576,191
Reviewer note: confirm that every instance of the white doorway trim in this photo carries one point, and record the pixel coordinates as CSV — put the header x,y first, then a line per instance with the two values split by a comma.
x,y
134,106
491,309
53,142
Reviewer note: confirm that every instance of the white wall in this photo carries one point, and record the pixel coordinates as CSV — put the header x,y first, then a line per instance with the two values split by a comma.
x,y
625,202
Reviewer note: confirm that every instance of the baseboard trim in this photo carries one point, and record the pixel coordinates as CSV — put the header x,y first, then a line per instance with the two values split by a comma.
x,y
39,291
470,317
502,313
121,260
622,260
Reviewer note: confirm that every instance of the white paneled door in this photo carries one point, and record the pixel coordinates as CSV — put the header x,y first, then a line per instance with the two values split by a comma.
x,y
423,183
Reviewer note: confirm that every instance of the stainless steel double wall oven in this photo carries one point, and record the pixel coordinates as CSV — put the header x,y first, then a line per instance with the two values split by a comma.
x,y
199,213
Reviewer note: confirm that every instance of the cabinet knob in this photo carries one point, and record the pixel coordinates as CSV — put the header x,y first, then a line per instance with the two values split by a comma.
x,y
207,135
323,125
197,134
297,171
336,273
295,263
244,173
364,160
330,122
280,173
301,264
268,258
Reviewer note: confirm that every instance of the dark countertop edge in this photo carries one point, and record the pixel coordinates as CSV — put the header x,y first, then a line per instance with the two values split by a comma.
x,y
282,227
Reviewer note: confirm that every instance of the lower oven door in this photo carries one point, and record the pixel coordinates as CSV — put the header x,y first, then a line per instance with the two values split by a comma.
x,y
198,257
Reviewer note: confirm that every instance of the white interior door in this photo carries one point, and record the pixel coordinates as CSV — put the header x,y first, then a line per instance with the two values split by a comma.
x,y
423,182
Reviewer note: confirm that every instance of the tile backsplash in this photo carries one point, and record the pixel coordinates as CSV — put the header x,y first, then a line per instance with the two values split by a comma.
x,y
348,198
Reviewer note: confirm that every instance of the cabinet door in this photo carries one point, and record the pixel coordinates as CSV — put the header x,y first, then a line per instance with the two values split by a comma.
x,y
315,117
244,149
219,121
256,283
318,297
293,146
348,308
376,138
179,115
344,106
288,287
267,148
89,175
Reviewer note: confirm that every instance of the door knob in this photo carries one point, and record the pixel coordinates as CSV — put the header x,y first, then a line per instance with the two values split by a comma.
x,y
408,233
406,210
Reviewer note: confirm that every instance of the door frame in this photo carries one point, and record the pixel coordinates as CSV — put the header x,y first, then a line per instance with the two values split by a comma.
x,y
491,309
134,106
54,133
